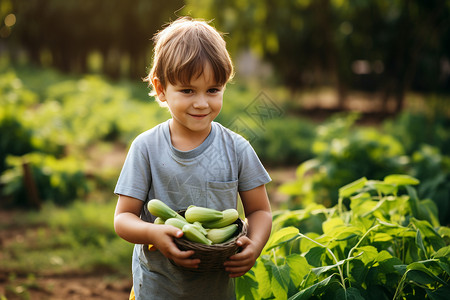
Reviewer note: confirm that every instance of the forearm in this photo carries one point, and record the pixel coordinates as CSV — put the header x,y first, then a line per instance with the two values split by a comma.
x,y
132,229
259,227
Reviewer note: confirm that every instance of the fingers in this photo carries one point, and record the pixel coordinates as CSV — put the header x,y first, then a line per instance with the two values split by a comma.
x,y
175,232
242,242
234,275
183,258
242,262
179,257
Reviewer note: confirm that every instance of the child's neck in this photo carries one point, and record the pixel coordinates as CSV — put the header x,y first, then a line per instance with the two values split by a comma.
x,y
185,140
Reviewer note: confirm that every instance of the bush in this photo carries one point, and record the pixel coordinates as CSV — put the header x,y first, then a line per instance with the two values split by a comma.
x,y
285,141
52,125
414,129
387,245
16,136
343,154
58,180
433,170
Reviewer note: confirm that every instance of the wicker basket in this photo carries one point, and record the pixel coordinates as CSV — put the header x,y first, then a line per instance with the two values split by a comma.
x,y
213,256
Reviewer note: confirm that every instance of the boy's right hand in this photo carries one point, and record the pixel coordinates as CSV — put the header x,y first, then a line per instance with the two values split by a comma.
x,y
130,227
163,241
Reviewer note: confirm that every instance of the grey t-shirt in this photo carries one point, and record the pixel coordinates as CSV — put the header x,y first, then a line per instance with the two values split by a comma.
x,y
210,175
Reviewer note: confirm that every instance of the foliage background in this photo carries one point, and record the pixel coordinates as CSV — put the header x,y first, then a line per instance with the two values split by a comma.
x,y
338,90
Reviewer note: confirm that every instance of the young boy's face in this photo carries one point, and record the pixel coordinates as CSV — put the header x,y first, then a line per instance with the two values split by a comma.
x,y
193,106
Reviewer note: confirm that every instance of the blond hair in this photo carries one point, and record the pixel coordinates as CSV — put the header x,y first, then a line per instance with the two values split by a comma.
x,y
182,50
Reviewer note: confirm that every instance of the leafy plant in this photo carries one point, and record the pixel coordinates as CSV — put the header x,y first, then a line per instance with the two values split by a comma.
x,y
430,126
387,245
433,170
59,180
342,154
16,136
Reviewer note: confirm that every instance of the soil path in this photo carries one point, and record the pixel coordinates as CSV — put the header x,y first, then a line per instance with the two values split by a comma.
x,y
67,287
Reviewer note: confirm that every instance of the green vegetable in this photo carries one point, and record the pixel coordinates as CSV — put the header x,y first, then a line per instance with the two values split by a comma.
x,y
160,209
220,235
158,220
194,235
176,222
202,214
200,227
229,216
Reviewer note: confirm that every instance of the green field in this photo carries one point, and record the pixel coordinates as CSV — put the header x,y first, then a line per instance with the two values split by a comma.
x,y
64,138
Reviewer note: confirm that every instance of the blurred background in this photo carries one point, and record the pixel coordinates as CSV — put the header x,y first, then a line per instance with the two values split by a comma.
x,y
327,91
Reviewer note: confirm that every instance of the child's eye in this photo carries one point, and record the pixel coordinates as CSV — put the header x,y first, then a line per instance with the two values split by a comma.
x,y
187,91
213,91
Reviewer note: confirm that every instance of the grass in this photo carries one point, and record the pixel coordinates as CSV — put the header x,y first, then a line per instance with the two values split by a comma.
x,y
77,239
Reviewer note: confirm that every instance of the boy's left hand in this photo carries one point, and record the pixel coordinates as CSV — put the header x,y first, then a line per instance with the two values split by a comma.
x,y
240,263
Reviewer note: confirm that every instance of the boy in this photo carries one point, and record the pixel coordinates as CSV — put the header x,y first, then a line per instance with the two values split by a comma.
x,y
186,160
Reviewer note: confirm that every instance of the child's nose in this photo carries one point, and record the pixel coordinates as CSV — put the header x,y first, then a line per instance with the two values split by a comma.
x,y
201,102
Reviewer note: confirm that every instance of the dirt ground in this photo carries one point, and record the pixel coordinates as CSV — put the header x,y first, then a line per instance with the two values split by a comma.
x,y
58,286
68,287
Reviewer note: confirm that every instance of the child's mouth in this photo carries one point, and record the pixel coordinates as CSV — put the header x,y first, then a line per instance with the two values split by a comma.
x,y
199,116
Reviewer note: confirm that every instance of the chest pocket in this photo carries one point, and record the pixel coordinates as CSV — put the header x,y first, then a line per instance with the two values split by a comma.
x,y
222,195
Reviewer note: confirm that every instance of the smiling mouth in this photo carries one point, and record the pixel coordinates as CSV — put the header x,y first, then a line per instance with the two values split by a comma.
x,y
199,116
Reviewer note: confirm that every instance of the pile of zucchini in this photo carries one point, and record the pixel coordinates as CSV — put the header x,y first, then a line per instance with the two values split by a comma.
x,y
199,224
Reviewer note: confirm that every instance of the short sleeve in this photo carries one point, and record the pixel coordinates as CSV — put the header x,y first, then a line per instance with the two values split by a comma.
x,y
135,176
251,171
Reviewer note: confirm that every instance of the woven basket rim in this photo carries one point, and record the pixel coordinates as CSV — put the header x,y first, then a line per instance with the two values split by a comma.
x,y
212,256
242,229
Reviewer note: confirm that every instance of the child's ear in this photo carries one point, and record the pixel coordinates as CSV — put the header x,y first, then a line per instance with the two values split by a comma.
x,y
159,89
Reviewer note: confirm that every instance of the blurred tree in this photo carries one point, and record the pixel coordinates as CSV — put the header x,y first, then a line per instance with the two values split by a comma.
x,y
69,31
388,46
383,45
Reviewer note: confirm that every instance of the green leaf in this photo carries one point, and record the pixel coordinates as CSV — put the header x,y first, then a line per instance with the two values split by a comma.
x,y
443,252
401,269
413,201
311,291
441,293
331,224
444,232
381,237
390,265
419,273
280,281
299,268
362,203
377,292
315,256
247,287
367,254
429,234
291,188
444,266
262,273
427,210
358,271
281,236
401,179
320,270
419,243
307,166
443,257
350,293
351,188
383,187
347,237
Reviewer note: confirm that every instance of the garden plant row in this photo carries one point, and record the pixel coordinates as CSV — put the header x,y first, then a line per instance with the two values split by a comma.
x,y
380,241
